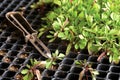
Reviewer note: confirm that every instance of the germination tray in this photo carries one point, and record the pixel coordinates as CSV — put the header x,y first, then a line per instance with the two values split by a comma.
x,y
14,46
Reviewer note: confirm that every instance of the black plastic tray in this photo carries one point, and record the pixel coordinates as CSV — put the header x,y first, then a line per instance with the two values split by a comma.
x,y
14,45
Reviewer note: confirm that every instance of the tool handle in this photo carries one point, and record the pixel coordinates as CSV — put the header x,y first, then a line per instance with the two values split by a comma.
x,y
20,22
29,33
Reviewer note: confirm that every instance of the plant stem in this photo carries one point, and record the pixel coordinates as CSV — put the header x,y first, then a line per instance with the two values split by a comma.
x,y
68,48
81,74
101,56
37,72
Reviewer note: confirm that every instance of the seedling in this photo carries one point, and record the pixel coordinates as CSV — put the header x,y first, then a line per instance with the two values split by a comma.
x,y
86,67
51,62
32,70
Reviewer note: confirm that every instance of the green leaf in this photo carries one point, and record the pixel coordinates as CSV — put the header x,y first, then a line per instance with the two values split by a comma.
x,y
114,16
59,21
51,15
83,43
68,48
89,18
40,34
81,15
61,56
76,46
53,55
80,63
61,35
36,62
57,2
34,6
77,62
114,32
31,61
116,58
66,29
74,13
30,76
119,57
66,32
49,36
24,71
48,60
92,48
72,28
56,26
26,77
95,72
81,36
88,30
104,16
93,77
48,64
28,66
96,7
115,50
52,32
52,39
56,53
110,58
54,63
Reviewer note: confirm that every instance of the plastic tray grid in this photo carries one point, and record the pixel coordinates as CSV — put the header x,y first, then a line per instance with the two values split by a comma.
x,y
14,48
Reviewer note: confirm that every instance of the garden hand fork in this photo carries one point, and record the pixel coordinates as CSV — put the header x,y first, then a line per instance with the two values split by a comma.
x,y
18,21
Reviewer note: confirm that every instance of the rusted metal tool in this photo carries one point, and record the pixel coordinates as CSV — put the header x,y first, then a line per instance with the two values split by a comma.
x,y
18,21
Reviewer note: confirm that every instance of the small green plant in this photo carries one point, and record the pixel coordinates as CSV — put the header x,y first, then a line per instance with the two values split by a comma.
x,y
86,67
51,62
32,70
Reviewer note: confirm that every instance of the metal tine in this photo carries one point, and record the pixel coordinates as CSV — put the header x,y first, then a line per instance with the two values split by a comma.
x,y
29,33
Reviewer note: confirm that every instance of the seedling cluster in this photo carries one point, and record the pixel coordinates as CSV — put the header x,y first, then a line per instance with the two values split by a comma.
x,y
86,68
32,71
92,25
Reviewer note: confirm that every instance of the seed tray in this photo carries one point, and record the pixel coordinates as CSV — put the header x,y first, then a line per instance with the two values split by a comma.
x,y
18,53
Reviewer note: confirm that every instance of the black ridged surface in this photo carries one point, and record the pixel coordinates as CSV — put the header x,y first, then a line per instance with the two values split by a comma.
x,y
15,46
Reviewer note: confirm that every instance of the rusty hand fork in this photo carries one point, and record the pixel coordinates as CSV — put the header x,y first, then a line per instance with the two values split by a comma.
x,y
18,21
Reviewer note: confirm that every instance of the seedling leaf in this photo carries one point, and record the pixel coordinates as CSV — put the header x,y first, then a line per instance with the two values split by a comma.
x,y
24,71
48,65
61,55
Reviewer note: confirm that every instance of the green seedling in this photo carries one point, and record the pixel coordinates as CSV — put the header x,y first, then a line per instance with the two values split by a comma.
x,y
86,67
32,70
51,62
